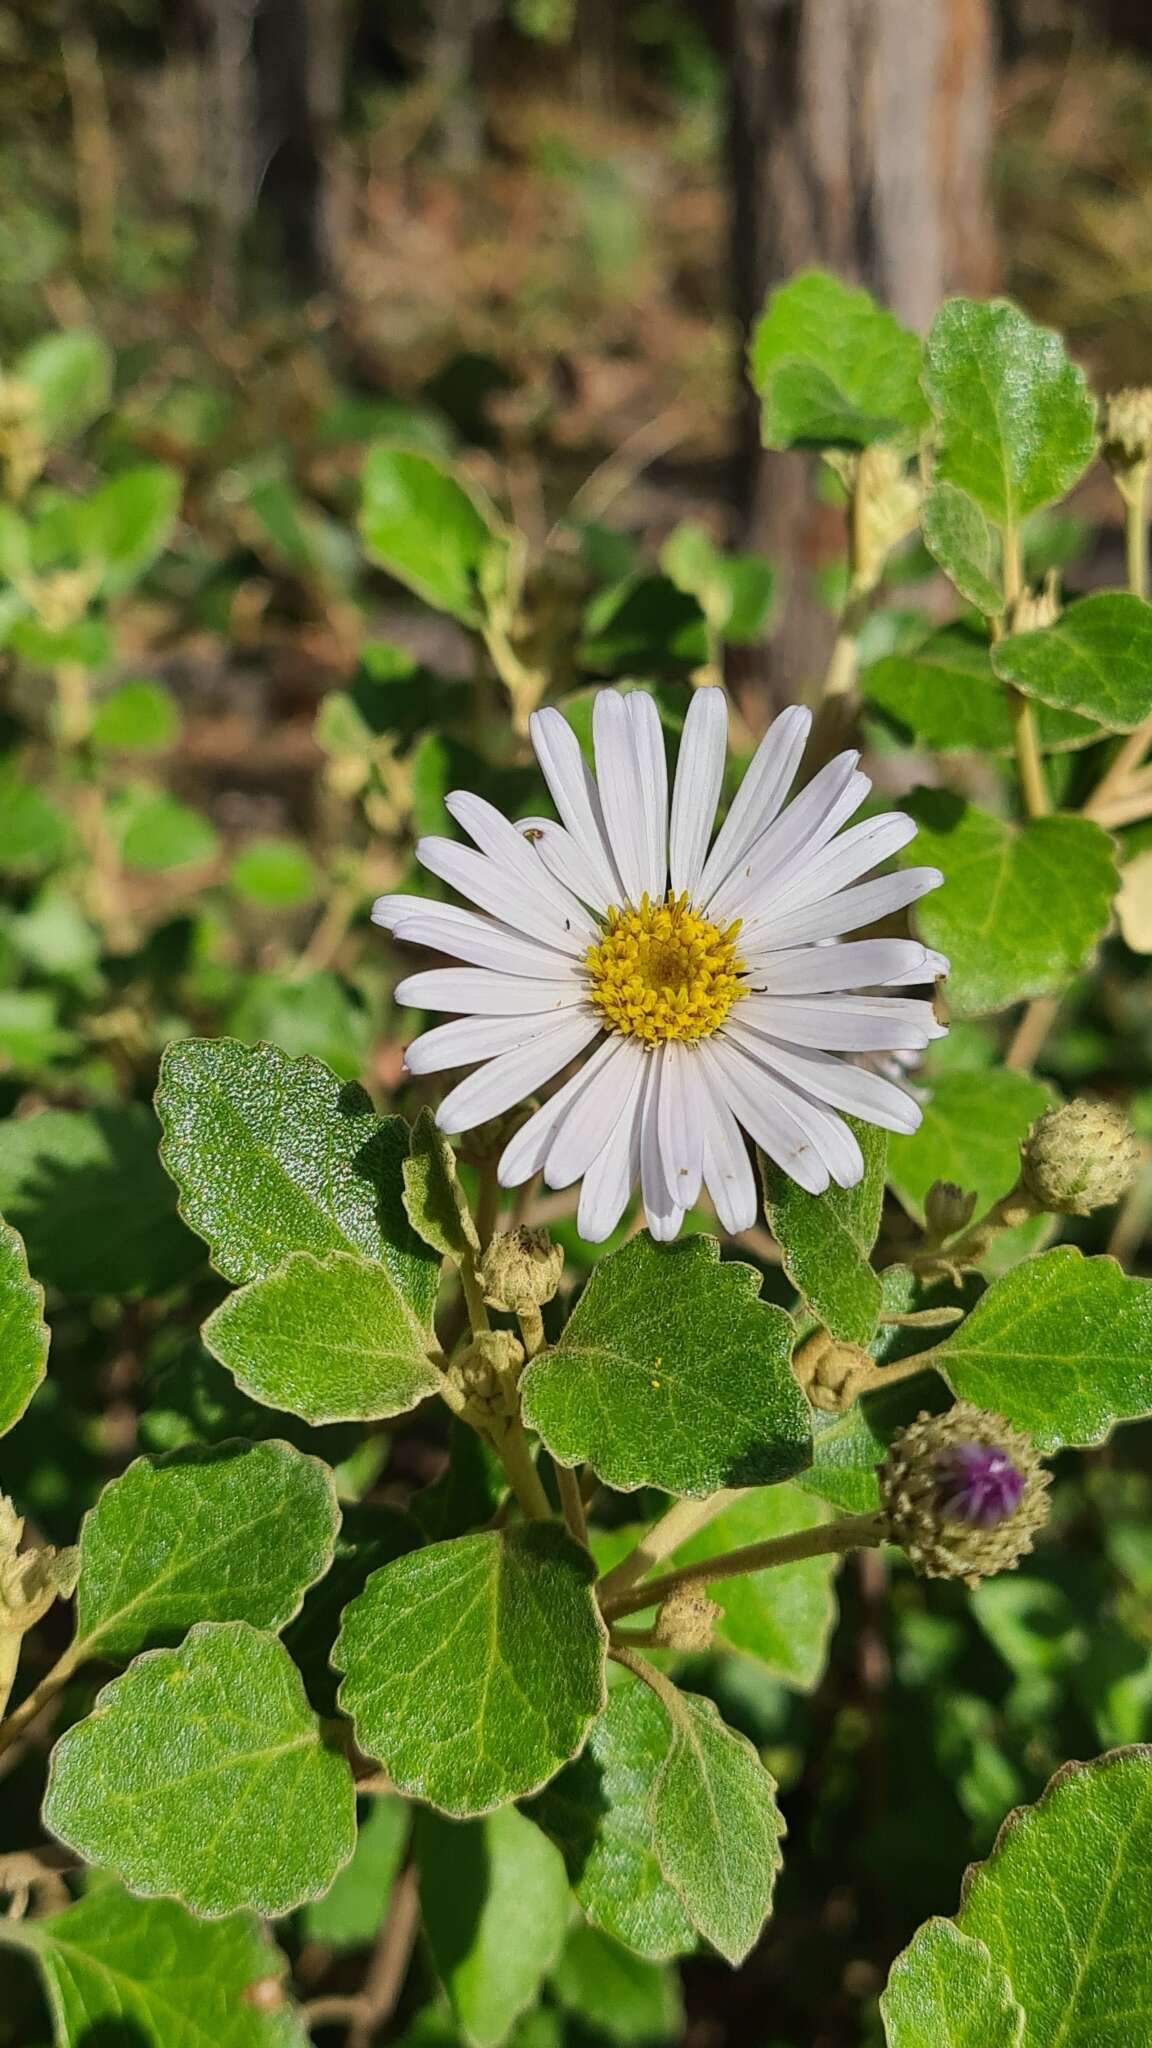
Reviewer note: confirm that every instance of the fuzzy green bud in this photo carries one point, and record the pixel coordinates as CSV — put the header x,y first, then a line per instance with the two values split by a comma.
x,y
483,1379
1126,431
686,1621
521,1270
963,1494
1080,1157
947,1209
832,1374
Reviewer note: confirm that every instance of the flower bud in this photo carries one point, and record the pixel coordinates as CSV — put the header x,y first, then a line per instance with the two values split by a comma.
x,y
831,1373
947,1209
1082,1156
963,1493
30,1580
686,1620
1035,609
521,1269
485,1376
1126,430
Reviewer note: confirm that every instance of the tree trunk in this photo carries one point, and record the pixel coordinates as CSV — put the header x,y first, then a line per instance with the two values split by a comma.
x,y
859,134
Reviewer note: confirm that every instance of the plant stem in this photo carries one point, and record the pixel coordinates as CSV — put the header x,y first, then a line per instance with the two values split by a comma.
x,y
523,1477
1029,766
53,1682
1136,533
487,1204
665,1536
1031,1032
848,1532
11,1644
572,1502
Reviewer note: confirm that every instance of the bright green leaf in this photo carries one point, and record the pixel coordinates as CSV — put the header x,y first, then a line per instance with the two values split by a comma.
x,y
599,1812
734,592
617,1994
203,1773
136,718
973,1127
833,368
474,1668
319,1015
24,1335
825,1240
34,834
71,374
1062,1902
494,1906
277,873
1061,1345
782,1618
1022,907
716,1827
425,528
143,1973
671,1372
1095,660
945,692
127,523
236,1533
331,1339
274,1155
957,534
436,1204
351,1914
160,833
1015,422
95,1208
946,1991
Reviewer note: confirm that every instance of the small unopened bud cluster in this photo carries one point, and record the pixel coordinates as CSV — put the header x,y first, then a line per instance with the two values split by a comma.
x,y
831,1373
947,1209
1080,1157
686,1621
1126,431
963,1493
484,1377
1035,609
521,1270
30,1580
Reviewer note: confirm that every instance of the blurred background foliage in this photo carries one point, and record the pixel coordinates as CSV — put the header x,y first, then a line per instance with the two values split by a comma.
x,y
242,241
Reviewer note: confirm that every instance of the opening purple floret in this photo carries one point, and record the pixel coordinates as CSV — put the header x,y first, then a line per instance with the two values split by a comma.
x,y
978,1484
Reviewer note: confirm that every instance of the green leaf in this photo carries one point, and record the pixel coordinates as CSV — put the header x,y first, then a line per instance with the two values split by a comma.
x,y
474,1668
973,1127
121,1972
1062,1901
599,1813
159,833
945,1991
945,692
127,523
833,368
1095,660
671,1372
1061,1345
274,1155
331,1339
734,592
959,537
203,1773
136,718
369,1537
95,1208
351,1914
34,834
434,1200
494,1906
716,1827
30,1035
24,1337
1022,906
825,1240
617,1994
318,1014
782,1618
71,374
1015,422
237,1533
277,873
425,528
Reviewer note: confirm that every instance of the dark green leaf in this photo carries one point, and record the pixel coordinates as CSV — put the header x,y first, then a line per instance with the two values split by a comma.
x,y
617,1994
782,1618
973,1127
957,534
351,1914
825,1240
1095,660
436,1204
494,1903
95,1208
947,695
24,1335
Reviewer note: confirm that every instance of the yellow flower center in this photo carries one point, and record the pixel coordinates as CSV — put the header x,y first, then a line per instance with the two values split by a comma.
x,y
663,972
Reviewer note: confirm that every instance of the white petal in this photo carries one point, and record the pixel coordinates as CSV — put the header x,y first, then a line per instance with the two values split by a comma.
x,y
851,908
845,859
769,776
586,1129
845,1086
831,1140
496,890
842,1023
728,1174
527,1149
625,795
475,993
787,848
662,1212
506,846
508,1079
565,859
699,774
935,967
680,1122
820,970
609,1181
652,768
471,1039
446,928
766,1118
574,794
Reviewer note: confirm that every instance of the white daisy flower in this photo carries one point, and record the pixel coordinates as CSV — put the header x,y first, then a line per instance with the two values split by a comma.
x,y
705,987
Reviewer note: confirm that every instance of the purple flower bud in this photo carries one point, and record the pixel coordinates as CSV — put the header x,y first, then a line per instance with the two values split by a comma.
x,y
978,1483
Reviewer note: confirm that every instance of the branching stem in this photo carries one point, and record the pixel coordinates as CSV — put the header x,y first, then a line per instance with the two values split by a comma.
x,y
848,1532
